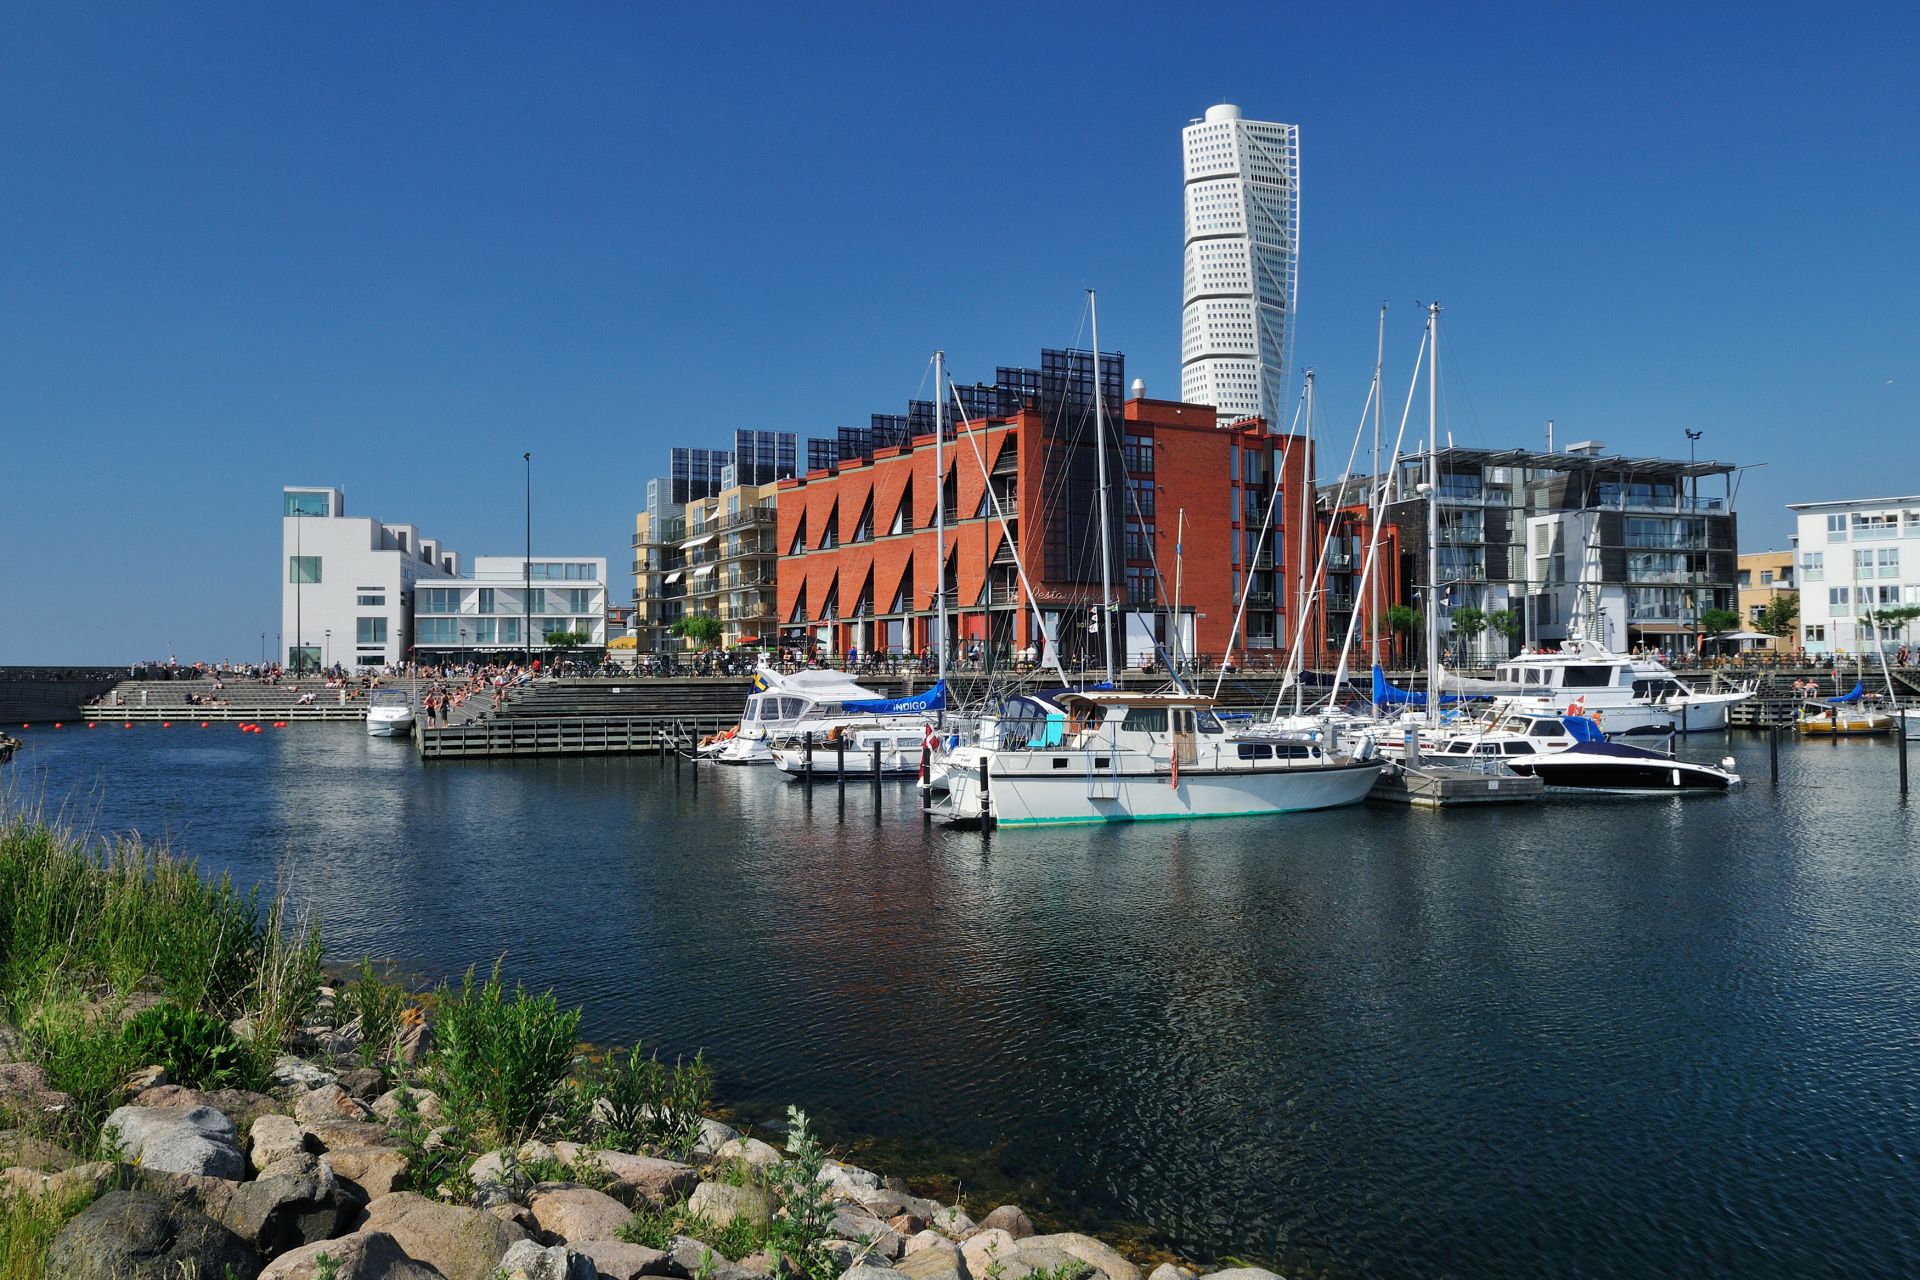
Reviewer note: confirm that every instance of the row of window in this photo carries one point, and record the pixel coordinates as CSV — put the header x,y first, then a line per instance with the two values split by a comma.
x,y
446,631
488,600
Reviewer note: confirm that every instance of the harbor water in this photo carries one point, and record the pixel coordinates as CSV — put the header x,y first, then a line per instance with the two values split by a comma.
x,y
1587,1038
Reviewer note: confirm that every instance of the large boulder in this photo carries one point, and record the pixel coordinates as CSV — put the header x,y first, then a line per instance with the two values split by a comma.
x,y
196,1140
848,1181
425,1101
569,1213
722,1202
330,1102
938,1259
1010,1219
271,1138
867,1271
987,1248
713,1136
364,1255
749,1151
1242,1273
328,1135
954,1222
280,1213
529,1261
136,1235
618,1260
1101,1257
461,1243
293,1073
1170,1271
638,1179
368,1172
858,1224
24,1151
24,1091
688,1258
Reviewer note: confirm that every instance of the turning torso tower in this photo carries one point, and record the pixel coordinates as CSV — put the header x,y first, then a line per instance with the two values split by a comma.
x,y
1243,243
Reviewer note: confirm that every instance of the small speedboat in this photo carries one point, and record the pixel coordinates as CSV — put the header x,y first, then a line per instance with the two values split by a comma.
x,y
1615,768
389,714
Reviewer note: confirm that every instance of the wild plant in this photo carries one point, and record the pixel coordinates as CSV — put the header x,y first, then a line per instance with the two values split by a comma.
x,y
648,1104
498,1060
374,1005
799,1232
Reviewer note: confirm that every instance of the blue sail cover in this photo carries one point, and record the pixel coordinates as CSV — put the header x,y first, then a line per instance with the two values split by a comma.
x,y
934,699
1388,695
1858,689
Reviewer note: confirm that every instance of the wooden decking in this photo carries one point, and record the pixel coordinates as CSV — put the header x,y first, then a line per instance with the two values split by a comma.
x,y
567,736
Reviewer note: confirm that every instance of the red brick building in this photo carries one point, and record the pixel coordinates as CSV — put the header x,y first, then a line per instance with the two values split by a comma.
x,y
856,539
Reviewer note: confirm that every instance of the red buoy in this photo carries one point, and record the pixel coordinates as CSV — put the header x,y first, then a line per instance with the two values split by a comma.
x,y
203,724
127,725
166,724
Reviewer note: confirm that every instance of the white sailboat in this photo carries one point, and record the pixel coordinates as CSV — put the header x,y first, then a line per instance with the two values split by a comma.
x,y
1131,757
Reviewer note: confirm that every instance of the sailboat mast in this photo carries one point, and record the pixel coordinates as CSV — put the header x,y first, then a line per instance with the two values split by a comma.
x,y
1297,660
940,509
1100,456
1433,513
1376,491
1179,566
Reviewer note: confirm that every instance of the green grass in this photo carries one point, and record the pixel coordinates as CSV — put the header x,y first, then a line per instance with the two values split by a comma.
x,y
499,1060
28,1224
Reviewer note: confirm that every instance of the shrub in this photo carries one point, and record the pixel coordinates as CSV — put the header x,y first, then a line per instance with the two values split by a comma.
x,y
375,1006
799,1232
85,1055
498,1060
648,1104
431,1167
197,1049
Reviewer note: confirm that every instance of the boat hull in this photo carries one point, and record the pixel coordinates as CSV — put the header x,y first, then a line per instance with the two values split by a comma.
x,y
1570,771
394,727
1020,798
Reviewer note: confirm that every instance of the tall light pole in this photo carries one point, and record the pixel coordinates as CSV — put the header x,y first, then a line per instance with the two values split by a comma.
x,y
328,660
299,584
526,592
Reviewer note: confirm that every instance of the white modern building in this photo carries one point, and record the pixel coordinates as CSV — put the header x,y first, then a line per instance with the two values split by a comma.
x,y
1242,259
358,592
1855,558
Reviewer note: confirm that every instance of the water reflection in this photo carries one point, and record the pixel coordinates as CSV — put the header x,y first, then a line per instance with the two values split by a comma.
x,y
1600,1039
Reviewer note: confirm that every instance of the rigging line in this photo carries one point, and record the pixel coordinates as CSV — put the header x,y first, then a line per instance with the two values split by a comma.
x,y
1273,499
1048,648
1380,513
1297,652
1456,371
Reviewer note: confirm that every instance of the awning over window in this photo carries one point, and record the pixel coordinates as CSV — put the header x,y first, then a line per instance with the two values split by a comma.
x,y
703,570
675,576
700,541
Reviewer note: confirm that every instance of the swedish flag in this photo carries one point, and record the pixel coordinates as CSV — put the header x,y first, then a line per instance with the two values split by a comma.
x,y
760,682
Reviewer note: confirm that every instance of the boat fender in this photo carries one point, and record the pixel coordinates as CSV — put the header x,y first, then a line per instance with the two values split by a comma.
x,y
1727,762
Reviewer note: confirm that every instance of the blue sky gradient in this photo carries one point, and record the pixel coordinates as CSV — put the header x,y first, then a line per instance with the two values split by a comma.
x,y
391,247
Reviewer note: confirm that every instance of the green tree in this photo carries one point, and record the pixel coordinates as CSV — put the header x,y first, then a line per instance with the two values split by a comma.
x,y
1714,621
1403,622
1469,621
1893,619
1782,614
701,628
1504,622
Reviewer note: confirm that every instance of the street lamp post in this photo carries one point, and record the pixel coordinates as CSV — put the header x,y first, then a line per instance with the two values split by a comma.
x,y
328,660
526,591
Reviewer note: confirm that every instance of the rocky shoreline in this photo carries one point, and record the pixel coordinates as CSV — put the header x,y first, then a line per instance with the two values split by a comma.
x,y
347,1169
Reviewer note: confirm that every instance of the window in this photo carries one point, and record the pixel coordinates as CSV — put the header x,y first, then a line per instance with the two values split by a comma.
x,y
437,600
579,599
303,569
1889,558
1816,632
1588,677
308,504
1766,577
509,631
371,599
1813,566
536,600
1837,528
1147,719
370,630
1837,601
486,600
429,631
483,631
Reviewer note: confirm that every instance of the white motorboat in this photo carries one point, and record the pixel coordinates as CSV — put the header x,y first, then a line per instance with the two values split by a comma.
x,y
389,714
1615,768
781,706
1131,757
822,751
1623,693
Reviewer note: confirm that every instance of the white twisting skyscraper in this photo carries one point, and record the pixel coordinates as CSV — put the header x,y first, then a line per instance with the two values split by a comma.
x,y
1243,243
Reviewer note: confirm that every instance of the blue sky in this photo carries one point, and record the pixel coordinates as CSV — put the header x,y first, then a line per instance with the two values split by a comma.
x,y
390,247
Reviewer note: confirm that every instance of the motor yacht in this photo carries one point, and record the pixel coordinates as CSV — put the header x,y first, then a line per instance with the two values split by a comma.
x,y
389,714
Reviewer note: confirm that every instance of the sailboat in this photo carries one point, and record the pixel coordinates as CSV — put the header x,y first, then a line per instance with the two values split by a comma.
x,y
1131,757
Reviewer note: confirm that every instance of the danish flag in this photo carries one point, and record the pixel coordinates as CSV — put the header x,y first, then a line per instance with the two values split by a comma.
x,y
1578,707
